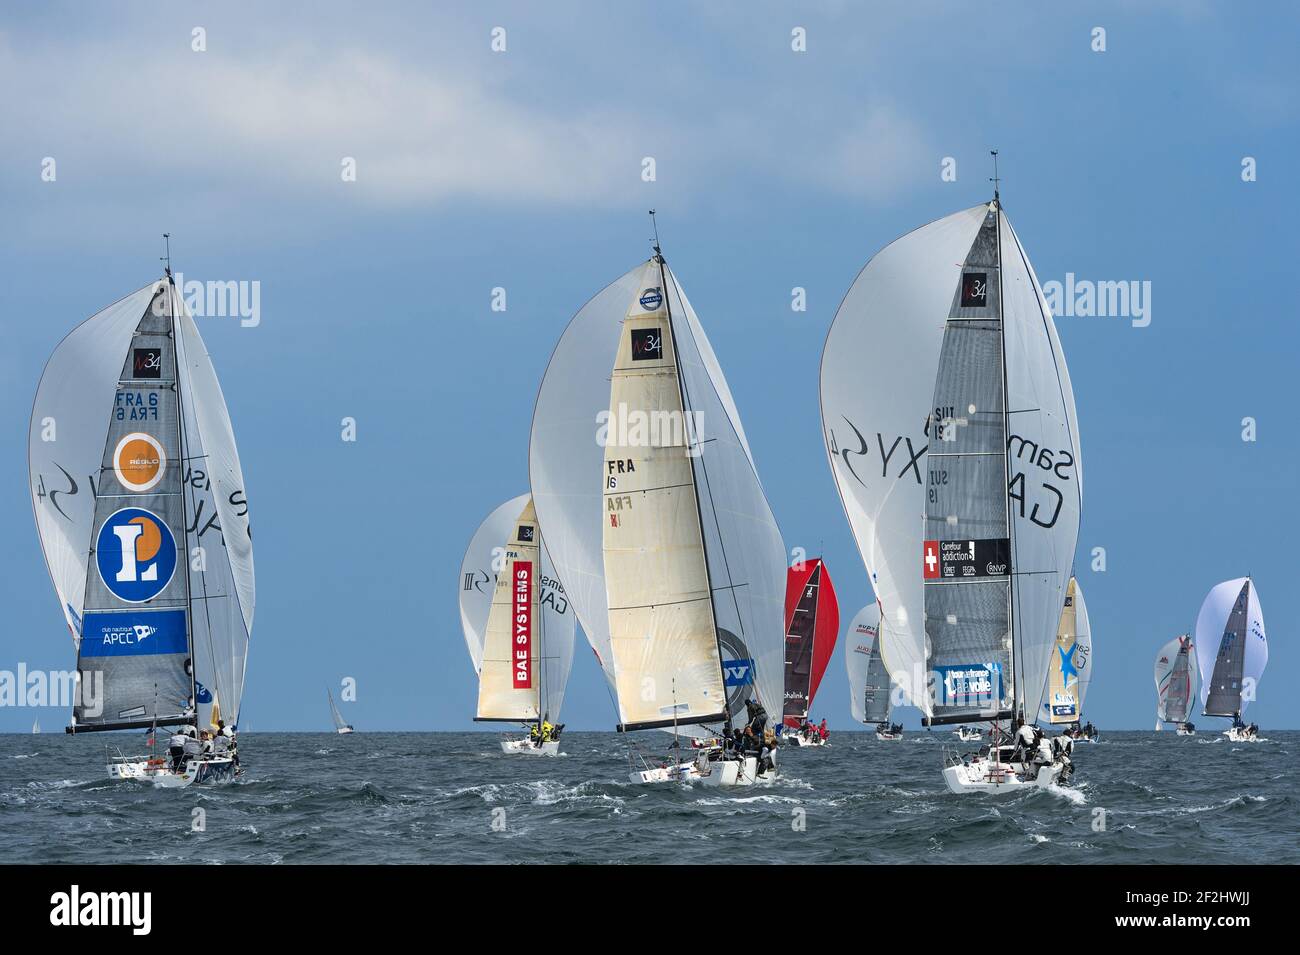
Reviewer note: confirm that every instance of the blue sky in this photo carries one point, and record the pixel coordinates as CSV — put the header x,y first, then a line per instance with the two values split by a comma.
x,y
522,169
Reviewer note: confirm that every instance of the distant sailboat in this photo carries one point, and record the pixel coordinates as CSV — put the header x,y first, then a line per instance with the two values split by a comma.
x,y
812,622
968,419
143,474
36,726
869,684
518,627
1070,673
341,726
1176,679
660,529
1233,651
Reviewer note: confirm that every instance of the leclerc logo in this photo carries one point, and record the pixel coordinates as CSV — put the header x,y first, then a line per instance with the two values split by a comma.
x,y
651,299
136,554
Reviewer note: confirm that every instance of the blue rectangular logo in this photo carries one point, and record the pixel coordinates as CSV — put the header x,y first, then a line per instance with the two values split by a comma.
x,y
737,672
133,633
973,684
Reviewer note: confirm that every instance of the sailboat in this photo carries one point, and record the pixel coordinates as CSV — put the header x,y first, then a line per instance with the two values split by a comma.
x,y
659,528
341,726
812,622
143,518
1176,678
518,627
1070,673
966,417
36,726
1233,653
869,685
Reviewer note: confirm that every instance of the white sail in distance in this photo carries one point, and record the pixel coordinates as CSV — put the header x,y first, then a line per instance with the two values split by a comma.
x,y
1231,647
1176,676
483,562
1070,673
869,684
574,424
878,378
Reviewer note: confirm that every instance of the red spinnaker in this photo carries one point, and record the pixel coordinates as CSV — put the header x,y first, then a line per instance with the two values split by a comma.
x,y
812,625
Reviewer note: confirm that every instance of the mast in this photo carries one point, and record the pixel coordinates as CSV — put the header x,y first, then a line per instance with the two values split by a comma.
x,y
699,513
1018,690
184,475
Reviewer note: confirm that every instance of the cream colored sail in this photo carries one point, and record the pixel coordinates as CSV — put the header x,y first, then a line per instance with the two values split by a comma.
x,y
1062,703
662,630
508,685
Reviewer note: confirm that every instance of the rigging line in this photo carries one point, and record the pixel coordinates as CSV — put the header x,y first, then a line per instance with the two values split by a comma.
x,y
722,545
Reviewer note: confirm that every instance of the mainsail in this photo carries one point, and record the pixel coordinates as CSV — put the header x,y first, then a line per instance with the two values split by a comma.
x,y
812,623
141,511
1176,676
482,569
869,683
978,436
1071,671
1232,647
340,723
690,627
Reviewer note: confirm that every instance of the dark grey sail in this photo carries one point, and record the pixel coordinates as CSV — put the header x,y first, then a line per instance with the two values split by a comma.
x,y
1224,697
134,655
1178,705
875,690
966,555
799,639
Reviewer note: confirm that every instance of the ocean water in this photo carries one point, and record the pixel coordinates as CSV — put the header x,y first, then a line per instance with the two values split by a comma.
x,y
1137,797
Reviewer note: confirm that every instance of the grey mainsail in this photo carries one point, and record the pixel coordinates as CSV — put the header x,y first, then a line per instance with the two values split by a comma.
x,y
1225,681
966,548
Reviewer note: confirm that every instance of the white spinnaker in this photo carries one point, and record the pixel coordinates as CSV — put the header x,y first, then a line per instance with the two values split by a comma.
x,y
478,572
1211,626
877,380
1083,660
859,644
1044,466
222,585
565,453
65,441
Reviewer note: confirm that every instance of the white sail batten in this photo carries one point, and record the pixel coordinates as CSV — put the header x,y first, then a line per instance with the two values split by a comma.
x,y
483,563
1232,647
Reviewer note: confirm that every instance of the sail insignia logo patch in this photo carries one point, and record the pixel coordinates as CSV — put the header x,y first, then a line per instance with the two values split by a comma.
x,y
526,532
135,553
146,363
974,289
647,344
139,462
651,299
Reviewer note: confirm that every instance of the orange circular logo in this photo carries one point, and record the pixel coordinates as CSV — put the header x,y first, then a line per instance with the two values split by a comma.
x,y
139,462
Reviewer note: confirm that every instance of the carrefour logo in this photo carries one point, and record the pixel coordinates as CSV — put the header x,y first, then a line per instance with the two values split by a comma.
x,y
136,554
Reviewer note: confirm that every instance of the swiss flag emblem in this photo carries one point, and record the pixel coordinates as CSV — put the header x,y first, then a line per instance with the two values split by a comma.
x,y
930,561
